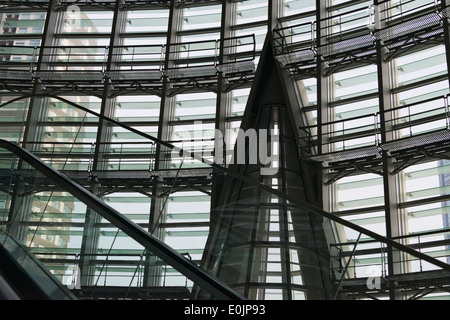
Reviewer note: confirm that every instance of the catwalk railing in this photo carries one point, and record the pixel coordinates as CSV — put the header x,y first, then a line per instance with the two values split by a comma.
x,y
366,266
435,243
403,122
90,67
417,132
351,37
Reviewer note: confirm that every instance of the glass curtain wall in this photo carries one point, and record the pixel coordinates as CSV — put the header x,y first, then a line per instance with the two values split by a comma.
x,y
159,68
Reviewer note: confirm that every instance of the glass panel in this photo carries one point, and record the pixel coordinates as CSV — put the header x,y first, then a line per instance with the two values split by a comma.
x,y
421,65
22,23
291,7
203,17
147,21
251,11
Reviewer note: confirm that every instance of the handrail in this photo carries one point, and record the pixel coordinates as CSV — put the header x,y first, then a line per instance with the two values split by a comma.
x,y
372,26
411,235
439,111
215,287
203,51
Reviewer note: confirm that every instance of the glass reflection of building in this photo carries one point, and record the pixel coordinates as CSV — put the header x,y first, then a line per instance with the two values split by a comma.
x,y
366,98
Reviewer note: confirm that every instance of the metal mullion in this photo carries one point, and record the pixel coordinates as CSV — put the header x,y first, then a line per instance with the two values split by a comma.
x,y
83,35
183,33
165,107
222,101
273,14
390,181
250,263
134,35
249,25
284,221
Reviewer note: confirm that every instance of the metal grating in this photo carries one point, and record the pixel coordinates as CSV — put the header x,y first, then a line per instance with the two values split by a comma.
x,y
134,75
421,140
124,174
296,57
446,12
344,46
191,72
409,27
352,154
183,173
415,39
69,75
236,67
352,57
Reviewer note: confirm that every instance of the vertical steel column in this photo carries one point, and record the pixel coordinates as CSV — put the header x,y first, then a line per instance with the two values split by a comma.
x,y
91,232
323,98
166,101
156,207
391,198
222,107
281,121
37,106
89,244
222,97
164,114
108,104
295,109
222,104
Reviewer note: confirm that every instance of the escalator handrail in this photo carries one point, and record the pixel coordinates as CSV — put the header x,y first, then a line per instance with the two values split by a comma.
x,y
215,287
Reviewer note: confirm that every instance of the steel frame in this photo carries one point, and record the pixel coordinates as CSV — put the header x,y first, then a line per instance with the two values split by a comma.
x,y
322,71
